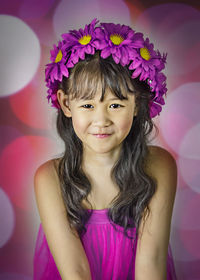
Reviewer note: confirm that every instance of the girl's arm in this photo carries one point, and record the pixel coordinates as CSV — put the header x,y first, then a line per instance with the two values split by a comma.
x,y
67,250
152,248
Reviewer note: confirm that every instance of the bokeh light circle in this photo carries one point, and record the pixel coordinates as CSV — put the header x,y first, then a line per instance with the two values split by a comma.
x,y
30,106
75,14
188,238
189,147
181,253
180,44
34,9
18,163
20,54
190,171
173,27
8,134
7,221
180,114
186,210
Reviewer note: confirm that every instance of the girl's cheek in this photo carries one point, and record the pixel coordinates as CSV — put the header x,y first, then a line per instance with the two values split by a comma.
x,y
125,126
126,123
79,123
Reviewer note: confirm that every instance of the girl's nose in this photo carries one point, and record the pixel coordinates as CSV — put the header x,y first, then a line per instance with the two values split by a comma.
x,y
101,117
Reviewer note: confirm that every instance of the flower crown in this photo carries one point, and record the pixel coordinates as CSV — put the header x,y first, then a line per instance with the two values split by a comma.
x,y
126,47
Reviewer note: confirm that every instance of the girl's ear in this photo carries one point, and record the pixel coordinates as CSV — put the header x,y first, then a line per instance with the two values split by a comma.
x,y
63,100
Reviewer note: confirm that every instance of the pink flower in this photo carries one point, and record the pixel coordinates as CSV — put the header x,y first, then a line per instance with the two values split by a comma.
x,y
80,42
155,109
119,41
57,69
146,62
52,93
158,84
158,100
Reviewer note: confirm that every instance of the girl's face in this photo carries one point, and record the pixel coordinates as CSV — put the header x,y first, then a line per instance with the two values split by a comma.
x,y
101,126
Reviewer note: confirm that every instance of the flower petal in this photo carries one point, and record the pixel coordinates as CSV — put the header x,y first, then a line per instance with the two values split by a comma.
x,y
64,70
99,33
75,56
54,73
116,58
88,49
135,64
155,109
113,50
132,53
105,52
145,76
81,53
136,73
70,64
124,57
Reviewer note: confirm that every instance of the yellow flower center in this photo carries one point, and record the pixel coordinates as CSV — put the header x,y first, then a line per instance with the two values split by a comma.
x,y
85,40
59,56
144,52
116,39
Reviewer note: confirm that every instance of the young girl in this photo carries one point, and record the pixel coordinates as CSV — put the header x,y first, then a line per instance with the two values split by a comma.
x,y
106,204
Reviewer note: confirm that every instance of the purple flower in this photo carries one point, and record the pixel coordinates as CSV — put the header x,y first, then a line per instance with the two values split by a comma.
x,y
158,84
155,109
155,106
146,62
52,93
119,41
56,69
80,42
156,102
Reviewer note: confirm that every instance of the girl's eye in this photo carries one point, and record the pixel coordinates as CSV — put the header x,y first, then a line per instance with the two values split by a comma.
x,y
86,106
118,105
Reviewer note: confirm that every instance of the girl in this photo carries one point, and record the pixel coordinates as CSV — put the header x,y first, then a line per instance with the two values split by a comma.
x,y
106,204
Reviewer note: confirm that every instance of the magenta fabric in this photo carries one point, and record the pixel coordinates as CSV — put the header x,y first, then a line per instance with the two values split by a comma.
x,y
110,253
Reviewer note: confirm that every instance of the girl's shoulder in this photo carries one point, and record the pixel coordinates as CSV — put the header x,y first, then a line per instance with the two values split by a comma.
x,y
158,153
47,175
160,160
50,165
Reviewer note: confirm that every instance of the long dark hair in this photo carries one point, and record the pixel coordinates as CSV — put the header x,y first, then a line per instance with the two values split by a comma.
x,y
129,172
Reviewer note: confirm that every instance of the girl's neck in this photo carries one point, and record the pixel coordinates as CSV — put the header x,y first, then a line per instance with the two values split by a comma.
x,y
102,161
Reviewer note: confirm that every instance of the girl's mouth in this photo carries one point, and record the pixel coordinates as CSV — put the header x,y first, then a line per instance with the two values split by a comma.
x,y
101,135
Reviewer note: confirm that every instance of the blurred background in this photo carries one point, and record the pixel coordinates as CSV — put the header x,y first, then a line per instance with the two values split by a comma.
x,y
28,30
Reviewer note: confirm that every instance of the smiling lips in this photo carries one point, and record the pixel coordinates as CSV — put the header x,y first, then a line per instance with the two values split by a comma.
x,y
101,135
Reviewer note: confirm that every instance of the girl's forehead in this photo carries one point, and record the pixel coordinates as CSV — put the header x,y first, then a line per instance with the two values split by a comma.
x,y
98,95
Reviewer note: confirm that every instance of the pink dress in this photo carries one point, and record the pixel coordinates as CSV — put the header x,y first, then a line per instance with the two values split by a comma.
x,y
110,253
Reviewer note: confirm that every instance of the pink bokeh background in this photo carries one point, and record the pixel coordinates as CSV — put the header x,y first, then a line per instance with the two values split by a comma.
x,y
28,30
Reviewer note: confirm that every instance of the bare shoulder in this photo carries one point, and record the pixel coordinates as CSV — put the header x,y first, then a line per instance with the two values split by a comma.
x,y
158,153
47,187
163,168
46,176
48,167
162,164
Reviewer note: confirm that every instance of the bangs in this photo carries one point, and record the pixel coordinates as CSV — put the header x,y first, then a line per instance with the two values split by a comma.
x,y
97,73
